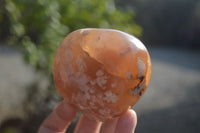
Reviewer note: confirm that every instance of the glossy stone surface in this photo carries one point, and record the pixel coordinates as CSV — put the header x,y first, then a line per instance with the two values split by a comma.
x,y
101,72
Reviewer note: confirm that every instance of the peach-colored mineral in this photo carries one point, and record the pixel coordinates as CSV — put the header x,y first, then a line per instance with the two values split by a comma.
x,y
101,72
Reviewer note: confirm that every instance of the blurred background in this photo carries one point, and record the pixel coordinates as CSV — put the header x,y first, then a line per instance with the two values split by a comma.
x,y
31,30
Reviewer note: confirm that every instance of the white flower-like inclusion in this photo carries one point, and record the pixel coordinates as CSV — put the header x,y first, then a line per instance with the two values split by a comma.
x,y
110,97
101,79
81,64
141,67
129,75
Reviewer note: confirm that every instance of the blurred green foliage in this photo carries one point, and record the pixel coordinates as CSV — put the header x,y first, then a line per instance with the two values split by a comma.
x,y
8,130
39,26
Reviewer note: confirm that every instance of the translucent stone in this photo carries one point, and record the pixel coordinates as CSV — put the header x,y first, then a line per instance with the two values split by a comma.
x,y
101,72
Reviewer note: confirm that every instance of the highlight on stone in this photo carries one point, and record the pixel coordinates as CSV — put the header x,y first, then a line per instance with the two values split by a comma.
x,y
101,72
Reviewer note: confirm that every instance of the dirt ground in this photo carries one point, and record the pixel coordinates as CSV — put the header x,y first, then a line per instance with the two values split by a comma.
x,y
170,104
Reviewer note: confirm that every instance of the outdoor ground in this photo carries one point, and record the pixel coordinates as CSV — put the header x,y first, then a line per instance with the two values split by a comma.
x,y
170,104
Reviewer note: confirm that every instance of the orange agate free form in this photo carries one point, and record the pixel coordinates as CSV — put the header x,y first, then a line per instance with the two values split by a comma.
x,y
101,72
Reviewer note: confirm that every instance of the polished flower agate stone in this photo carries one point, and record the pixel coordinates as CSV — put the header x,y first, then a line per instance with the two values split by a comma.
x,y
101,72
